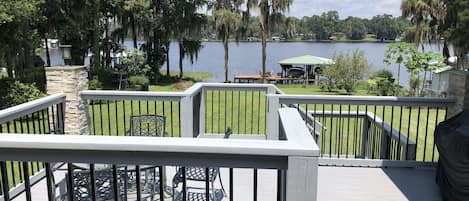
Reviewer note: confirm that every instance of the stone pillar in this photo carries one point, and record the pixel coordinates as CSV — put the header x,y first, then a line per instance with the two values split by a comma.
x,y
458,87
70,80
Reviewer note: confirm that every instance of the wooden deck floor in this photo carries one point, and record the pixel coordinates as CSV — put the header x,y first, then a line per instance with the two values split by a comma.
x,y
334,183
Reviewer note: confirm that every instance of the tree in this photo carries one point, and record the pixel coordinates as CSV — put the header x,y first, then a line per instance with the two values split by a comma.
x,y
187,24
227,21
290,24
266,9
354,28
456,29
347,70
427,16
399,53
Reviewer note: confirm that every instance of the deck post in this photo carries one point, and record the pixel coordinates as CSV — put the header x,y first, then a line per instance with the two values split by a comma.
x,y
272,117
187,117
302,178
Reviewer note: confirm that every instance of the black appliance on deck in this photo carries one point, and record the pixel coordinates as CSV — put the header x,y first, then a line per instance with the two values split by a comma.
x,y
452,140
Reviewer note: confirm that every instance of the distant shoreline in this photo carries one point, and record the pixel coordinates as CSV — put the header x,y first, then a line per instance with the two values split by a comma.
x,y
308,41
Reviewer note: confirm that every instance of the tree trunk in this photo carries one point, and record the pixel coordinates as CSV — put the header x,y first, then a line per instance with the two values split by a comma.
x,y
225,45
264,52
47,51
134,32
108,48
424,83
181,58
399,74
167,60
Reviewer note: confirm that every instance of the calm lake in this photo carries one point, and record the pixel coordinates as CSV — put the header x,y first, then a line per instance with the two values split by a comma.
x,y
245,57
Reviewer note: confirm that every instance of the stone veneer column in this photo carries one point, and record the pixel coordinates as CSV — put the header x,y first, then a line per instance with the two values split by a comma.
x,y
70,80
458,87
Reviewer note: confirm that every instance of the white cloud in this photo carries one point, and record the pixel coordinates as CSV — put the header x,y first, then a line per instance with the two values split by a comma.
x,y
357,8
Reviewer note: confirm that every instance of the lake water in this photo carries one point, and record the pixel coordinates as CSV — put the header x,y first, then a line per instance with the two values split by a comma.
x,y
245,57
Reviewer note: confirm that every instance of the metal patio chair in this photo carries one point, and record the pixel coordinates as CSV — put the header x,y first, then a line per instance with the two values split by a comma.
x,y
198,174
197,193
148,125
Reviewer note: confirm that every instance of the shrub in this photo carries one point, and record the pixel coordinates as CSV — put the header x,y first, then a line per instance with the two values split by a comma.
x,y
346,71
105,76
95,84
14,93
139,81
382,83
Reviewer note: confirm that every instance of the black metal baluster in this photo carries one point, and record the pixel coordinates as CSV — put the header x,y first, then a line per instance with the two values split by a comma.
x,y
239,111
339,132
184,184
436,124
139,114
232,110
108,118
259,113
70,188
255,184
139,188
179,111
383,132
93,183
116,116
93,117
49,180
115,182
417,134
373,141
399,139
44,122
53,121
101,117
48,122
391,149
231,185
355,138
426,135
124,108
245,111
148,112
27,182
164,114
12,164
206,110
5,183
408,133
162,182
330,132
225,106
213,114
252,111
219,112
348,131
172,119
323,130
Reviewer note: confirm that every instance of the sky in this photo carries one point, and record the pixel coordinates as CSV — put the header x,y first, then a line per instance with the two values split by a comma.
x,y
356,8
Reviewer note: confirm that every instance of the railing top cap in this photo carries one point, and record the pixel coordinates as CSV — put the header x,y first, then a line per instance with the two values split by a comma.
x,y
364,98
154,144
30,107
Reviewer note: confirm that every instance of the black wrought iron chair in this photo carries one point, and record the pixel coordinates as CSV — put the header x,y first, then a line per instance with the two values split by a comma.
x,y
147,125
198,174
81,182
